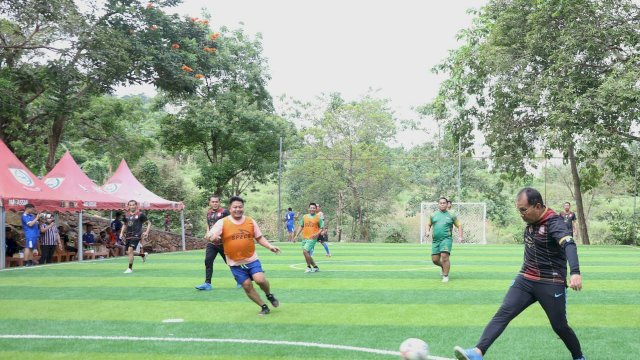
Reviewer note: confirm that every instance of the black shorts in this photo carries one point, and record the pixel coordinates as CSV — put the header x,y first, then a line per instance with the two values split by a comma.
x,y
323,238
133,242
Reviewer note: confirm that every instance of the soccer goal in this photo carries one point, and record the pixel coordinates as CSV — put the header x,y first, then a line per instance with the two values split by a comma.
x,y
472,216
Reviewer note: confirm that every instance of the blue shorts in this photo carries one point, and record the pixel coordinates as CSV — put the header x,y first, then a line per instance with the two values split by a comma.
x,y
290,227
31,243
246,271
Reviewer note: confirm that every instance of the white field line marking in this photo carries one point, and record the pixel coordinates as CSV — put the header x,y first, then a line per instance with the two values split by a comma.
x,y
301,266
207,340
60,264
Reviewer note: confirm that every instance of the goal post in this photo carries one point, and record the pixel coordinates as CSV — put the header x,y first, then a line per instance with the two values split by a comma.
x,y
472,216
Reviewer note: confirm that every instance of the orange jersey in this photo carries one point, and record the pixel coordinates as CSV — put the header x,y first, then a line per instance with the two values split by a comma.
x,y
310,226
238,239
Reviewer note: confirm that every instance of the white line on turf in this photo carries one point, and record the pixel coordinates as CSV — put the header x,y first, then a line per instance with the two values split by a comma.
x,y
207,340
302,266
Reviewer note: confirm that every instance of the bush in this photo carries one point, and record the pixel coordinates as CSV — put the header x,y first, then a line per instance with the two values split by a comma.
x,y
394,234
624,229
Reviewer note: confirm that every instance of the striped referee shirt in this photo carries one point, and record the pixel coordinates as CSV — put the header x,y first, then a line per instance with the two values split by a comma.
x,y
49,236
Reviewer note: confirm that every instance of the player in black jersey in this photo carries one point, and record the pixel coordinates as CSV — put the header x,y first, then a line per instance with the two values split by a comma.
x,y
548,246
134,221
214,214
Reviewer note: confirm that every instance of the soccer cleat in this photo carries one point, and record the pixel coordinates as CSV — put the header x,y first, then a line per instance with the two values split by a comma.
x,y
316,269
128,271
308,270
204,286
144,257
581,358
445,279
466,354
272,299
265,310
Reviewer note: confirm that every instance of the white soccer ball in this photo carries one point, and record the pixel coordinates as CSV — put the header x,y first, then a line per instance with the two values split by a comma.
x,y
414,349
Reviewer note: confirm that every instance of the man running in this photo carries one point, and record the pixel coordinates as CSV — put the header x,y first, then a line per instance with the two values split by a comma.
x,y
322,238
214,214
237,233
442,222
132,232
569,218
290,219
310,226
548,246
30,226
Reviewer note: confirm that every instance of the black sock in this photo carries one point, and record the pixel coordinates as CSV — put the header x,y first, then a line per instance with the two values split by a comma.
x,y
264,306
131,266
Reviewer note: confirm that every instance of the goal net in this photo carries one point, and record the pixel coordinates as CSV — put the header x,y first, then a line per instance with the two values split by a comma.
x,y
472,216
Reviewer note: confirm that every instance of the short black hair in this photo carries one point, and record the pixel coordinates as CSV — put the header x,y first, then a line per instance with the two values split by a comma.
x,y
214,196
443,198
533,196
134,201
289,209
29,206
567,203
235,198
314,204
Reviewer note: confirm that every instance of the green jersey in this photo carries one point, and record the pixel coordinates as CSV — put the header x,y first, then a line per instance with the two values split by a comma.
x,y
442,222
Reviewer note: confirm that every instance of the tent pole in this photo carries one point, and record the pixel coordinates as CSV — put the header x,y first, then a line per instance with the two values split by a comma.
x,y
3,238
79,242
184,241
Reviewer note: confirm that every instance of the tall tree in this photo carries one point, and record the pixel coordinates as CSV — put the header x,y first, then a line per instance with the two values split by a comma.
x,y
229,119
547,76
343,164
55,55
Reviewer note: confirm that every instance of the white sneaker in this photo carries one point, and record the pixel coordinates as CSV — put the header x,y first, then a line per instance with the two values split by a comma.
x,y
445,279
128,271
315,269
144,258
308,270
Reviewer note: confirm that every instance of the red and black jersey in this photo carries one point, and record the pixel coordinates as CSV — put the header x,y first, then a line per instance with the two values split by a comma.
x,y
568,217
214,215
135,223
544,249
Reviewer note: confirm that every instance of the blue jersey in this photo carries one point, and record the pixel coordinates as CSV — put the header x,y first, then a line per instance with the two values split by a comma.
x,y
30,232
290,217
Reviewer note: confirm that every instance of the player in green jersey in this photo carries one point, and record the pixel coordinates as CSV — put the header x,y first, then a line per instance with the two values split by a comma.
x,y
442,223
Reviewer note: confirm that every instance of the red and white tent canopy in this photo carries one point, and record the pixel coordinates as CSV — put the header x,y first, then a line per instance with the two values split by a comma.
x,y
18,187
126,187
67,176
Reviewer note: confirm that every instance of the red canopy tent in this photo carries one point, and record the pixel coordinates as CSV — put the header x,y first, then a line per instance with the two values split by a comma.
x,y
126,187
67,176
19,187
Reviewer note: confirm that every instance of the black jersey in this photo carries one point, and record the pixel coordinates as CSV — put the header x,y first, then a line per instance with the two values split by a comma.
x,y
569,218
544,255
214,215
135,222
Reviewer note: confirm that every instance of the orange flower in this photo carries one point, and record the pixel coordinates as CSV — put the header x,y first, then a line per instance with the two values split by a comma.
x,y
186,68
209,49
193,19
150,6
153,27
175,46
199,76
215,36
204,21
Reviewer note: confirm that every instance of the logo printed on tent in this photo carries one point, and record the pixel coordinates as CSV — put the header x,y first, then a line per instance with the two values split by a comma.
x,y
111,188
54,183
23,178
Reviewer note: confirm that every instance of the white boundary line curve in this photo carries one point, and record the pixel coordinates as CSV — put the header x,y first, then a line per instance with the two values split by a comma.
x,y
207,340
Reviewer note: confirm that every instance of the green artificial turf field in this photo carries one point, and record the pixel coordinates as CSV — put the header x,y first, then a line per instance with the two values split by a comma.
x,y
367,297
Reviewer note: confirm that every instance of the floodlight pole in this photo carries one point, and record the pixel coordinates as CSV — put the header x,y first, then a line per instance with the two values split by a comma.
x,y
459,170
80,250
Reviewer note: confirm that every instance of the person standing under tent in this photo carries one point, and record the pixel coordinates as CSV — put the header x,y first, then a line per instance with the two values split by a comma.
x,y
310,227
322,238
49,239
215,213
238,233
442,223
31,230
132,232
548,246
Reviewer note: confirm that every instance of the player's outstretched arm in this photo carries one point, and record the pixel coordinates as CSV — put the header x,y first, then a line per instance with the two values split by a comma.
x,y
263,241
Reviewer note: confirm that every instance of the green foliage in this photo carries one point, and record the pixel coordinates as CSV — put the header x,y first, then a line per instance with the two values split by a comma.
x,y
623,226
394,233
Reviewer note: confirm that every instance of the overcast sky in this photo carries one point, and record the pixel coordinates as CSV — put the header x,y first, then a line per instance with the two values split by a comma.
x,y
347,46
